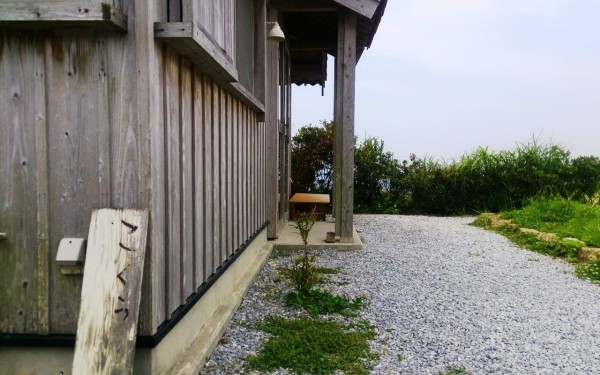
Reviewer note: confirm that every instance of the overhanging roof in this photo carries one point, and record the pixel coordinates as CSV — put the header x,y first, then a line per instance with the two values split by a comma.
x,y
311,32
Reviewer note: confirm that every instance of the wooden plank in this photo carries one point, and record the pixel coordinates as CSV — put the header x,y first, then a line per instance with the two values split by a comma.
x,y
216,113
146,61
27,15
18,201
253,173
222,104
199,180
271,87
209,173
235,174
344,122
220,23
229,179
229,28
246,180
111,291
41,150
150,110
173,181
203,15
187,176
72,74
175,10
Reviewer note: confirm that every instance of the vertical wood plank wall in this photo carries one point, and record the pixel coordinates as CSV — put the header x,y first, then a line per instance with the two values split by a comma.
x,y
72,142
214,151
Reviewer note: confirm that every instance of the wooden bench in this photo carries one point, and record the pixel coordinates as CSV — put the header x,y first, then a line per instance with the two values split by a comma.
x,y
318,202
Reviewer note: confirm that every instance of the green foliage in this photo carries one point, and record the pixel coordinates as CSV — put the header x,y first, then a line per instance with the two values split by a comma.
x,y
312,159
565,217
314,346
376,173
319,302
589,270
480,181
302,274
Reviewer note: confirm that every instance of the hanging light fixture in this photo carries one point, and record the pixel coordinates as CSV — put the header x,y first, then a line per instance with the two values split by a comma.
x,y
275,33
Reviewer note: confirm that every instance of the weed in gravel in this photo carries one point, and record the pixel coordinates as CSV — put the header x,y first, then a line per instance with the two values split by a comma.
x,y
590,271
454,371
315,346
318,302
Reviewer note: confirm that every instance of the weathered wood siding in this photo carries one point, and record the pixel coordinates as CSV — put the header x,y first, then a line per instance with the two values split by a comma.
x,y
215,17
214,148
70,144
75,136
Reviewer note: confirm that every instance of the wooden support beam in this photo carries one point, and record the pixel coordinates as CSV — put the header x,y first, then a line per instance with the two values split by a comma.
x,y
272,128
43,14
345,69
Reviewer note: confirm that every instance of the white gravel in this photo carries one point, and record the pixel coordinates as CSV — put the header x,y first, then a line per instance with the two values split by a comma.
x,y
443,295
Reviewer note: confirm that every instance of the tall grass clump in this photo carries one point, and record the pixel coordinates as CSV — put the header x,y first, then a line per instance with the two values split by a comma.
x,y
495,181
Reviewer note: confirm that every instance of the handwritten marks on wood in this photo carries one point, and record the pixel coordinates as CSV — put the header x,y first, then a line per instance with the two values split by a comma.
x,y
110,295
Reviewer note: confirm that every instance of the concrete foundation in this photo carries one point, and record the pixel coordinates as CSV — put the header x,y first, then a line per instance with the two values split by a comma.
x,y
289,239
185,349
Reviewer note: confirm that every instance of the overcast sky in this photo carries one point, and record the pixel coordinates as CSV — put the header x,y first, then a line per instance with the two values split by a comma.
x,y
444,77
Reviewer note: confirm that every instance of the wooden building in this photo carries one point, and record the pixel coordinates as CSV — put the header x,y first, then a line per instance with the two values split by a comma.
x,y
178,107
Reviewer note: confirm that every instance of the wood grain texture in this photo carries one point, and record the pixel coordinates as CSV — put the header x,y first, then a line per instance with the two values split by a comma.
x,y
199,183
209,206
271,87
111,290
75,97
229,177
344,124
19,171
28,15
173,180
143,117
187,177
41,149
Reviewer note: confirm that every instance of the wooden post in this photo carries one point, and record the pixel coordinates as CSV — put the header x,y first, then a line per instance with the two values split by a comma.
x,y
111,291
344,125
272,126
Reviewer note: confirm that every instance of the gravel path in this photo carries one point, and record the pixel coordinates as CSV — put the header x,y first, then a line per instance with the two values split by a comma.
x,y
444,294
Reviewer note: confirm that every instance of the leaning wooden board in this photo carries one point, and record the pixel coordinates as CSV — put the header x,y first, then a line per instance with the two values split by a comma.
x,y
110,294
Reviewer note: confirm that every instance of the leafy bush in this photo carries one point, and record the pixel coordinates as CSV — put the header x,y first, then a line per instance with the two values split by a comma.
x,y
480,181
312,159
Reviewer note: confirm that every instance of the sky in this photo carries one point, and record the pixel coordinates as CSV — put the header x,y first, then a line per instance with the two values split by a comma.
x,y
444,77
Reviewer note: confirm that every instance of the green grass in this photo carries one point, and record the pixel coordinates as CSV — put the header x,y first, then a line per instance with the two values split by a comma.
x,y
590,271
315,346
561,216
318,302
